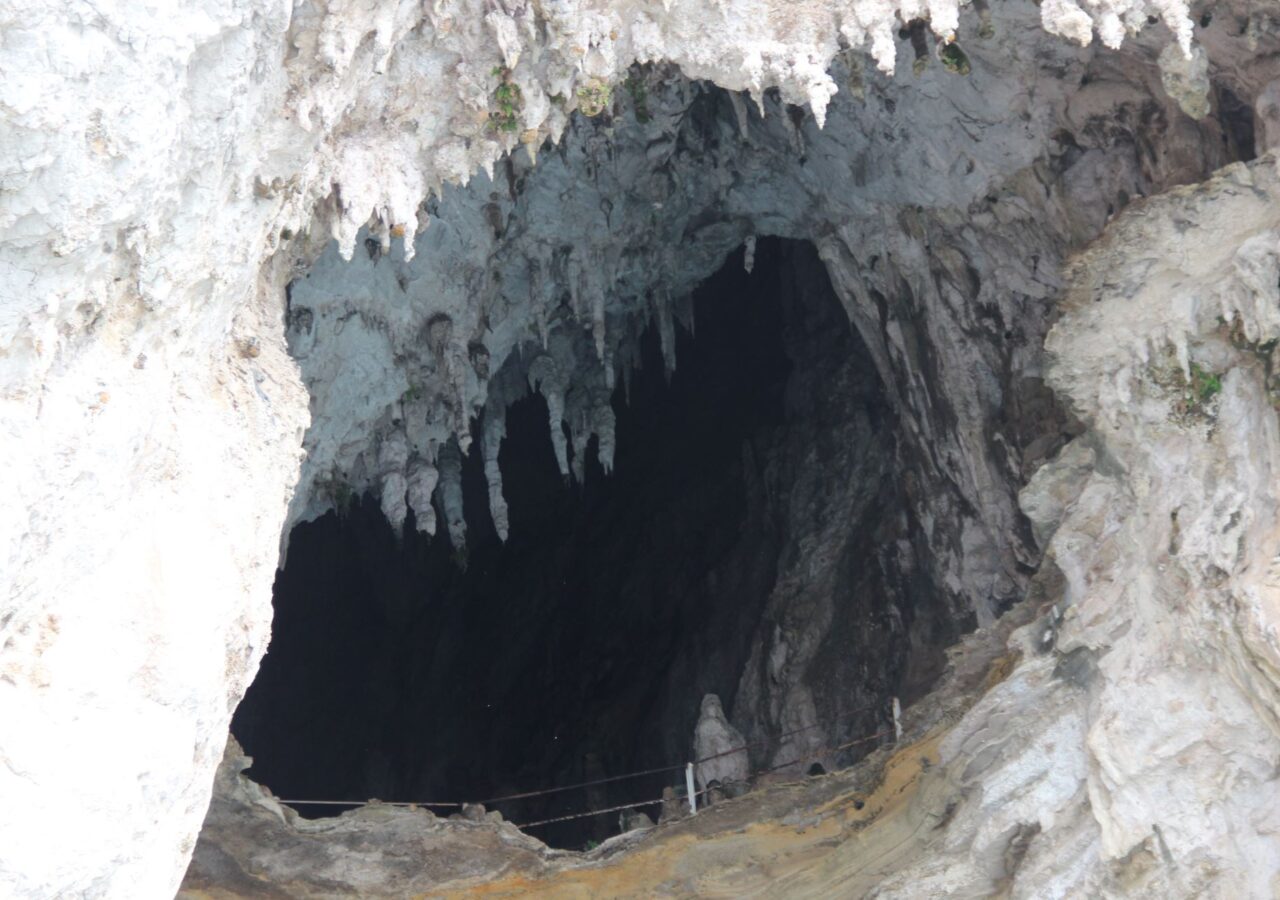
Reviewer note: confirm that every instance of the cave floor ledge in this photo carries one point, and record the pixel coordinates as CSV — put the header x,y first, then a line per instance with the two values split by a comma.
x,y
841,830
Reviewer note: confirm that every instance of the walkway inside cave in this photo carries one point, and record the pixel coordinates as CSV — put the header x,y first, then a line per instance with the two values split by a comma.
x,y
404,668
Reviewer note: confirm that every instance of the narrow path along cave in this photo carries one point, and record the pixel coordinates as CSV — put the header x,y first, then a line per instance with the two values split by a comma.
x,y
405,668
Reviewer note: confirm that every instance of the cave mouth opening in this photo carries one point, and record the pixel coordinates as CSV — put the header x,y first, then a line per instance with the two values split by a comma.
x,y
752,506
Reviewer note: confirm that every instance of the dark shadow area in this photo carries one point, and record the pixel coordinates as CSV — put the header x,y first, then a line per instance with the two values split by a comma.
x,y
581,647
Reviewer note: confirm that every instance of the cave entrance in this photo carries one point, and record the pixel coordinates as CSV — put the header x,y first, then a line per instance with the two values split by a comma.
x,y
407,669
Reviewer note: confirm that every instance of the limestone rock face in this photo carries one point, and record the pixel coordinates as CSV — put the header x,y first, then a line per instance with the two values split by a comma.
x,y
168,171
1156,657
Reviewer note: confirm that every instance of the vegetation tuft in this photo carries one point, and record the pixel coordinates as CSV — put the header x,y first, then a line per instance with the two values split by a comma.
x,y
507,102
1204,385
955,60
594,97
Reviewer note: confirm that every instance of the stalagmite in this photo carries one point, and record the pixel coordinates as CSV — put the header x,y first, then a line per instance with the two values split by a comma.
x,y
715,737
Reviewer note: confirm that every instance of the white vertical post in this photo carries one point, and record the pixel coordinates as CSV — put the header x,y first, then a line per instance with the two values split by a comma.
x,y
897,720
688,784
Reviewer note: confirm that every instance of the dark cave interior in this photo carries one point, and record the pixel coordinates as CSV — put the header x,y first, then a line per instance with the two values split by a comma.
x,y
402,669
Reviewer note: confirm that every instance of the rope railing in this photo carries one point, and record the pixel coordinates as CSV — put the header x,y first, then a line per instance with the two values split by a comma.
x,y
583,784
815,754
409,803
594,812
786,734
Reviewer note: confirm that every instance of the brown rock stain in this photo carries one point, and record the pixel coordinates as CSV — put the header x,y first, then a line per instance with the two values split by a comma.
x,y
820,857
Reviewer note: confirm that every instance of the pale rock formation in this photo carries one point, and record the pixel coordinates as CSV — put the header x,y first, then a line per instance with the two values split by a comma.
x,y
1166,655
1186,79
713,737
673,806
1267,117
1196,589
631,820
256,846
421,485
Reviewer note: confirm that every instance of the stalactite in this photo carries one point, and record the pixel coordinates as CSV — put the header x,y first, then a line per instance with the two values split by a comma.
x,y
422,481
603,422
392,457
667,334
494,431
598,321
546,376
740,115
450,465
573,277
579,435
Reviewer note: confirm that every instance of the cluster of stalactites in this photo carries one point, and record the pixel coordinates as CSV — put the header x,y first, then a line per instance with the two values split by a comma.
x,y
568,53
573,368
578,401
587,309
578,385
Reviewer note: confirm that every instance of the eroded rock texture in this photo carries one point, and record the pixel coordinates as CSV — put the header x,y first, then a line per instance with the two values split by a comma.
x,y
168,172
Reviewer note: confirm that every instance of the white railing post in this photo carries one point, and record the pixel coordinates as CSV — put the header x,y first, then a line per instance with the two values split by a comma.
x,y
688,784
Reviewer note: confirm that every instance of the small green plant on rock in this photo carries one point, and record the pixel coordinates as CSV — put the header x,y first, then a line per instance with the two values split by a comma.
x,y
1192,393
954,59
594,97
507,102
341,494
1204,385
1265,352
